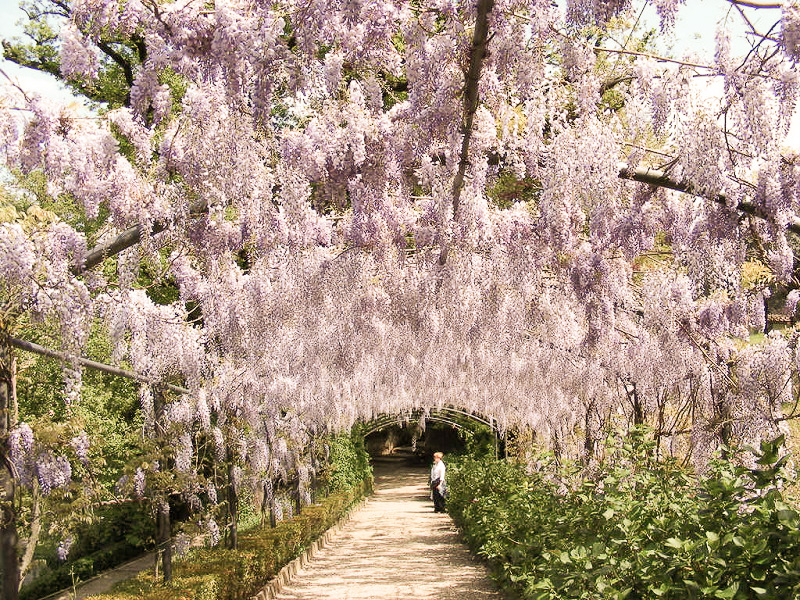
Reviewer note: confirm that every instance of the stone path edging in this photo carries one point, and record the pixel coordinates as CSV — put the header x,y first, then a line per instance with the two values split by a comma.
x,y
287,573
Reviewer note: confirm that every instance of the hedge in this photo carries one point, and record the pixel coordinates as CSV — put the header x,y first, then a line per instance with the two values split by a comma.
x,y
640,528
224,574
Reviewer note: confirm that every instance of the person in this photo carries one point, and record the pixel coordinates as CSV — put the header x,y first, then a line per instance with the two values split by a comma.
x,y
438,485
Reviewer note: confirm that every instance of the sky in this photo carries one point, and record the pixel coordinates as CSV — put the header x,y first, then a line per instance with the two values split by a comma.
x,y
28,79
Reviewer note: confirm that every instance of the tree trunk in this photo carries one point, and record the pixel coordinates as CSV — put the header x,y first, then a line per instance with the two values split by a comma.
x,y
163,527
233,505
164,538
9,538
296,497
36,530
636,404
314,479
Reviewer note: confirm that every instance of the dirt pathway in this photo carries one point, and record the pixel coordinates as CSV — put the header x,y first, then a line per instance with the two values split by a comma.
x,y
395,547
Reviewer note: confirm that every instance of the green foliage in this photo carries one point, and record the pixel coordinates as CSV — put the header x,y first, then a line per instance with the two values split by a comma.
x,y
509,189
641,528
225,574
118,57
348,462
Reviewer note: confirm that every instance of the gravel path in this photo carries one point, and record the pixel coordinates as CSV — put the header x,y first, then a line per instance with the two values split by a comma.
x,y
395,547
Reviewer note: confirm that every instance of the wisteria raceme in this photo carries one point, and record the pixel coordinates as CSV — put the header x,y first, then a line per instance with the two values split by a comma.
x,y
790,28
52,471
583,12
139,483
78,61
20,443
19,257
183,453
80,444
213,531
64,547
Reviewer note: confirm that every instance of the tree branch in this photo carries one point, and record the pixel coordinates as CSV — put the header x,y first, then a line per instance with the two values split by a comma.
x,y
130,237
661,179
91,364
36,530
756,4
473,76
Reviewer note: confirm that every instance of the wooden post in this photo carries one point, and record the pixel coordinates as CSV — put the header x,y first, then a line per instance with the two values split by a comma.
x,y
9,538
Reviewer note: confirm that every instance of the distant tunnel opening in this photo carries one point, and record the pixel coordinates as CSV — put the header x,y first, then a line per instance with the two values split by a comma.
x,y
419,435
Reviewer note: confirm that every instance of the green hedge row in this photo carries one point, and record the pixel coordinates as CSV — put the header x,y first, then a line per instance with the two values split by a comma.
x,y
224,574
640,528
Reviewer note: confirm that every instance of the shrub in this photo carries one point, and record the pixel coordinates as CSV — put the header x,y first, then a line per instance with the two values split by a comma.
x,y
80,569
641,528
348,462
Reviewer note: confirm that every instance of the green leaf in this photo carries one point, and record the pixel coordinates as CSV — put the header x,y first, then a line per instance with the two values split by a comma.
x,y
758,572
728,592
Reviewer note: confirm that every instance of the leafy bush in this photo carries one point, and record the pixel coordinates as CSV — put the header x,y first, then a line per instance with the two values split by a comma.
x,y
641,528
348,462
117,534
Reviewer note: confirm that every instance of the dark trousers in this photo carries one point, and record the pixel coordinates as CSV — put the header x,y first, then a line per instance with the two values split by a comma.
x,y
438,501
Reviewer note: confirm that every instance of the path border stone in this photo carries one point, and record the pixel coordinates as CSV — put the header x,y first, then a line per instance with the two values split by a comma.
x,y
289,571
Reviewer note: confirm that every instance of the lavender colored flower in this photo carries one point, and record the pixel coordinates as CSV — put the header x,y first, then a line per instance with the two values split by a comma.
x,y
52,471
181,544
78,60
213,532
21,442
790,28
64,547
139,483
183,453
80,443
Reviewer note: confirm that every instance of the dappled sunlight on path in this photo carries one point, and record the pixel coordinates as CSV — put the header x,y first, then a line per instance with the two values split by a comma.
x,y
394,547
